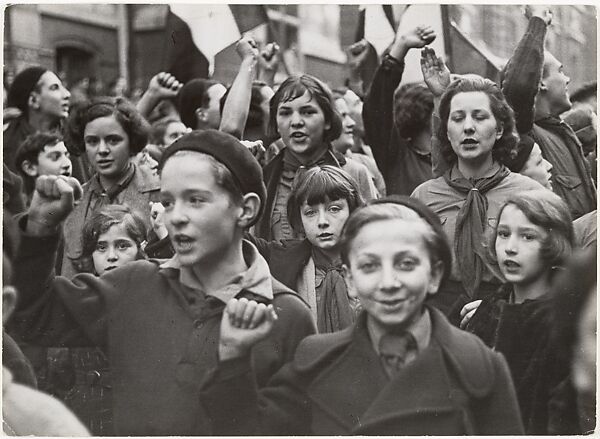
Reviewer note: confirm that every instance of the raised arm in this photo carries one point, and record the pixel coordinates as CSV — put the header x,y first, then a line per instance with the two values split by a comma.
x,y
378,109
237,104
523,72
268,63
437,77
162,86
230,393
54,311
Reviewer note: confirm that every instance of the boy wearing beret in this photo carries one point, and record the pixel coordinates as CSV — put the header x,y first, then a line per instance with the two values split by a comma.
x,y
159,322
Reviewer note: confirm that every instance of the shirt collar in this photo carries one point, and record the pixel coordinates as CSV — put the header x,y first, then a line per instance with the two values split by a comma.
x,y
95,185
419,329
256,279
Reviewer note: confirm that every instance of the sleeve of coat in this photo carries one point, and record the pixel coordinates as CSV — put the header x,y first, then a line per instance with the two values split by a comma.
x,y
378,109
523,74
236,407
55,311
499,413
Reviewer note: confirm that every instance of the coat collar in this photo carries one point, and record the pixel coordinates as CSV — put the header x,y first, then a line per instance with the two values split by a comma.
x,y
370,398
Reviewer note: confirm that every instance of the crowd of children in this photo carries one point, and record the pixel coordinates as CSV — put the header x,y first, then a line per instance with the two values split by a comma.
x,y
267,260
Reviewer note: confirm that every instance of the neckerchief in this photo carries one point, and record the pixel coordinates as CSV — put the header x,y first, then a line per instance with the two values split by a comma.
x,y
108,196
470,225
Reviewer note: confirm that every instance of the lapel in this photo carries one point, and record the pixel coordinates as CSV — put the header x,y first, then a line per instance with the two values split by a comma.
x,y
271,175
355,391
346,388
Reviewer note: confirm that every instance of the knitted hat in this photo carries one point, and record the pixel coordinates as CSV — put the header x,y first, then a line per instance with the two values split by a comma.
x,y
431,218
523,152
22,86
192,96
228,150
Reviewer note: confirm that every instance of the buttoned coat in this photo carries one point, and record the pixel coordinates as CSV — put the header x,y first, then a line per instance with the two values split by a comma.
x,y
336,385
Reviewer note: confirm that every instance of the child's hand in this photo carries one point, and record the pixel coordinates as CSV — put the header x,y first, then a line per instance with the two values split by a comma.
x,y
53,200
468,311
269,57
156,219
164,86
357,53
256,147
541,11
435,73
418,37
247,48
244,323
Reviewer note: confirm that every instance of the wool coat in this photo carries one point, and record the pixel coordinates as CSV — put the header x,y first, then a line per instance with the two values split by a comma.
x,y
160,336
336,385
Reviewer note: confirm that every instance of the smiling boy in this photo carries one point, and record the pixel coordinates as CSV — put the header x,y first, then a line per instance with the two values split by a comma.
x,y
42,154
159,323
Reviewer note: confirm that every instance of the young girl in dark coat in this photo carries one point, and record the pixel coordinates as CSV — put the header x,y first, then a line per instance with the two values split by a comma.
x,y
321,201
402,369
80,376
532,238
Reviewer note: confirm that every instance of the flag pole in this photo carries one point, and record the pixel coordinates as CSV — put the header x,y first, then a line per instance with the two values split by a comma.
x,y
450,62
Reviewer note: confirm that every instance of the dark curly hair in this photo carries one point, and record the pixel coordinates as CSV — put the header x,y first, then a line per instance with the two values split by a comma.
x,y
505,148
413,104
130,119
101,221
294,87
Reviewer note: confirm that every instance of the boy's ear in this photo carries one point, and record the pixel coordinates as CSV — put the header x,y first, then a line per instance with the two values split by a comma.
x,y
201,114
9,302
250,209
437,272
29,168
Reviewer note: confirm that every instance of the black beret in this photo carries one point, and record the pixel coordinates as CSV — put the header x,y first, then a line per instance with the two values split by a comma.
x,y
431,218
22,86
228,150
523,152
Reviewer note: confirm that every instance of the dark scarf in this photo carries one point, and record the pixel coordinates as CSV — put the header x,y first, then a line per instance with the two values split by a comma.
x,y
108,196
470,225
333,310
291,161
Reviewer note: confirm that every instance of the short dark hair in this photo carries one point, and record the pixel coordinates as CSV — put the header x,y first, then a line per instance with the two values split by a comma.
x,y
130,119
102,220
547,210
413,105
505,148
319,184
294,87
193,95
30,149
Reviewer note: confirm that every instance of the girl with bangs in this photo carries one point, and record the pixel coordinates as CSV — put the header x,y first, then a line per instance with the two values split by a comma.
x,y
321,201
530,244
303,115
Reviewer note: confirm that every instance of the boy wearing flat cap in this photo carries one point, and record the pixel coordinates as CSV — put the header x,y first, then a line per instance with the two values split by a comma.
x,y
159,322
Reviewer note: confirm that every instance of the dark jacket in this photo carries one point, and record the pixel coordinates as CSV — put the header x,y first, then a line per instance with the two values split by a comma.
x,y
336,385
402,167
522,333
160,336
571,178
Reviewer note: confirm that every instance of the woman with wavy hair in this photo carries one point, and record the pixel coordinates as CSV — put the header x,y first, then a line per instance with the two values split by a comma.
x,y
477,138
111,132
